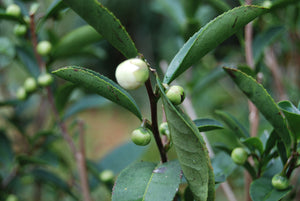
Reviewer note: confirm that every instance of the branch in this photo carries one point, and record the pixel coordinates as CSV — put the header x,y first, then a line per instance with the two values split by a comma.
x,y
188,107
153,106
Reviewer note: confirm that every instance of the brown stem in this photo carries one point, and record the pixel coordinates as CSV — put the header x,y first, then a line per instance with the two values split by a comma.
x,y
272,64
34,42
153,106
253,111
80,159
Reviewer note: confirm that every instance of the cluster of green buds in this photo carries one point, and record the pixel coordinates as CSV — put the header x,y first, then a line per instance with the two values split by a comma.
x,y
15,11
31,85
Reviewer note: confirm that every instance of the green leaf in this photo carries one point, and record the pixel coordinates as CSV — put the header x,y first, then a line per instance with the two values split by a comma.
x,y
190,148
99,84
263,40
99,17
164,182
282,3
263,101
75,41
254,143
6,155
171,8
209,37
292,114
148,181
262,190
5,16
62,96
223,166
7,52
87,102
47,177
271,142
52,11
207,124
235,126
26,56
31,160
118,159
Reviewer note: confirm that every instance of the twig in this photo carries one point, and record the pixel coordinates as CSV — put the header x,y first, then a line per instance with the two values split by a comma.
x,y
272,64
188,107
34,42
153,106
79,155
80,159
253,111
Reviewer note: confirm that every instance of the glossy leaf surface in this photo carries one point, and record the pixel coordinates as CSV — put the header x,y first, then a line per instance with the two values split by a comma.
x,y
263,101
254,143
292,114
209,37
190,148
100,85
99,17
147,181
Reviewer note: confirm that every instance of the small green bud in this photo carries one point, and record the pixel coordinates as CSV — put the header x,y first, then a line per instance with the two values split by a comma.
x,y
164,129
13,10
239,156
141,136
280,182
132,73
12,197
44,48
30,84
20,30
175,94
21,93
45,79
267,4
106,176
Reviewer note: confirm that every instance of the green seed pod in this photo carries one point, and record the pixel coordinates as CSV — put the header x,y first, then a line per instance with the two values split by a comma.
x,y
30,85
20,30
239,156
44,48
132,73
21,93
141,136
106,176
13,10
175,94
45,79
280,182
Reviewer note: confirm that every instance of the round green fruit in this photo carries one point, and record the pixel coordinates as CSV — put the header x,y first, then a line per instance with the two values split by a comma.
x,y
175,94
44,48
20,30
13,10
132,73
30,84
239,156
21,93
106,176
280,182
141,136
45,79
